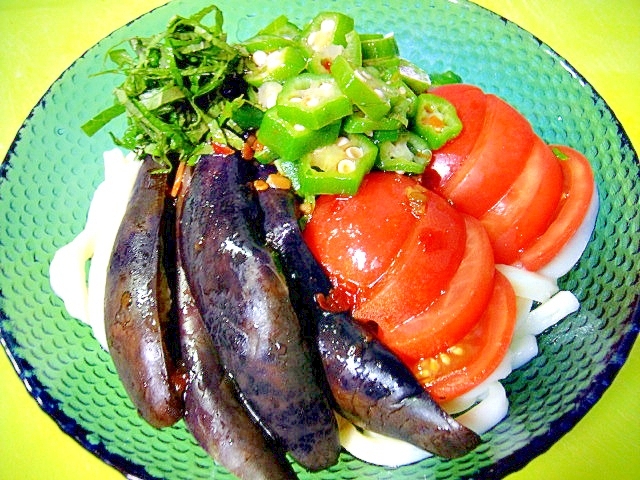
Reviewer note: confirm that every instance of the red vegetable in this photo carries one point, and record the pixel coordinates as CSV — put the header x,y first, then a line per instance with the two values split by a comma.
x,y
471,105
401,258
452,313
421,269
499,171
356,238
577,191
468,363
426,273
495,161
527,208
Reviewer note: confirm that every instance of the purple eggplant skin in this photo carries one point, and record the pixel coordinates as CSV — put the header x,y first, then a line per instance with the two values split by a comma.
x,y
137,303
370,386
213,413
244,302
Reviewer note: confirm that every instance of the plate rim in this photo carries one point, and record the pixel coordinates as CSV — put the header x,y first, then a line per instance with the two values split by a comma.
x,y
511,463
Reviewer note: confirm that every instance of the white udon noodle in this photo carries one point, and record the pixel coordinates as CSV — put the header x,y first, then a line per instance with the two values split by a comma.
x,y
483,407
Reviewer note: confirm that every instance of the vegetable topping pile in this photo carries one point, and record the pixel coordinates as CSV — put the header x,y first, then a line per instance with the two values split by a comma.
x,y
418,196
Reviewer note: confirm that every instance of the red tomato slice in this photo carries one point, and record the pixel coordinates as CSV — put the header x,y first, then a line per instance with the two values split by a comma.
x,y
578,189
496,160
356,238
527,208
454,312
423,267
468,363
471,104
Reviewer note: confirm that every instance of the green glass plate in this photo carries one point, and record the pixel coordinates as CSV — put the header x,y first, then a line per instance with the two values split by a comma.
x,y
49,175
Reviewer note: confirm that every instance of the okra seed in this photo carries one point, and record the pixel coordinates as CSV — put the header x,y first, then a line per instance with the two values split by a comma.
x,y
326,88
342,141
312,101
354,153
321,38
299,128
306,208
416,194
328,25
346,166
260,58
275,60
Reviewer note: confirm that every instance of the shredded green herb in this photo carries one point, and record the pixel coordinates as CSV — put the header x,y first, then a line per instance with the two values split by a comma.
x,y
182,90
560,155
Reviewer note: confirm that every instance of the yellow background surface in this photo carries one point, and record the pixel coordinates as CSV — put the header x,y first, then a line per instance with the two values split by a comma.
x,y
601,39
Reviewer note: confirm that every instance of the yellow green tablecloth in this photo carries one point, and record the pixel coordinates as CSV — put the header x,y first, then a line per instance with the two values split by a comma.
x,y
600,38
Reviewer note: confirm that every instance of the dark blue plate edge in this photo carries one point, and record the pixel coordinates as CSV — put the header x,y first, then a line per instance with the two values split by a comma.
x,y
585,401
618,353
52,408
507,465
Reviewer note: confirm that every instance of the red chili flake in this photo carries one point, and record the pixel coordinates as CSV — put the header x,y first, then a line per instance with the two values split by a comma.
x,y
222,149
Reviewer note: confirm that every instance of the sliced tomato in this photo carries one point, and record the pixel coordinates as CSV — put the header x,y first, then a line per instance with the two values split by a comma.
x,y
423,267
465,365
455,311
356,238
527,208
578,189
496,160
471,104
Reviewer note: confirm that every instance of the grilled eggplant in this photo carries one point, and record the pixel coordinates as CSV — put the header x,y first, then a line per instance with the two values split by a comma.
x,y
137,303
244,302
369,384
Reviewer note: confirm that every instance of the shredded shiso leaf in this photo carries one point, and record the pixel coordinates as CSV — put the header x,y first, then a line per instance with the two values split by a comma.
x,y
183,90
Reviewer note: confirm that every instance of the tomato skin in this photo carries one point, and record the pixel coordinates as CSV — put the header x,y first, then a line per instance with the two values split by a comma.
x,y
478,354
577,191
453,313
471,105
526,210
496,160
356,238
422,268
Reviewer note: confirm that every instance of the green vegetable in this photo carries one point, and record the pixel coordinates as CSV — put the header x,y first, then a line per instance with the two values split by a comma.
x,y
560,155
268,43
436,120
380,51
409,153
403,101
360,123
416,78
380,136
366,91
328,35
94,125
327,104
282,27
337,168
290,141
445,78
180,89
275,66
313,101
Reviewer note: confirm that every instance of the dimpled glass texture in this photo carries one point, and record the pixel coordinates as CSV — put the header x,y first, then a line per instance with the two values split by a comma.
x,y
49,176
